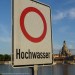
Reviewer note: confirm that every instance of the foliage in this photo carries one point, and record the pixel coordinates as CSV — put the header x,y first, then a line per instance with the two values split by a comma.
x,y
5,57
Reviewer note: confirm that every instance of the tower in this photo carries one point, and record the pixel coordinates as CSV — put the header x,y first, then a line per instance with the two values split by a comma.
x,y
65,51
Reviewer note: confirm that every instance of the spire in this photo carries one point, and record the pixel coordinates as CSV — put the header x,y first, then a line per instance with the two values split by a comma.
x,y
64,48
64,41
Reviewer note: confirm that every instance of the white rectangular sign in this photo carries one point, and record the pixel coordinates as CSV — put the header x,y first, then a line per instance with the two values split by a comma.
x,y
32,38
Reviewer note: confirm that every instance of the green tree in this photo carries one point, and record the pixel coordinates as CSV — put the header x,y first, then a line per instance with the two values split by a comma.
x,y
7,57
1,57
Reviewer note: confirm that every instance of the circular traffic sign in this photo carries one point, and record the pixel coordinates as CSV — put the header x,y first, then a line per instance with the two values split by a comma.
x,y
23,28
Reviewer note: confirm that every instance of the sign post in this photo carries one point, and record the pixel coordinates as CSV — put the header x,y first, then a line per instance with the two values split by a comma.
x,y
35,69
31,34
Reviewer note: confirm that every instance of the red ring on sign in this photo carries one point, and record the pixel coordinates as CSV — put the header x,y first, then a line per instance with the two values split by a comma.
x,y
30,38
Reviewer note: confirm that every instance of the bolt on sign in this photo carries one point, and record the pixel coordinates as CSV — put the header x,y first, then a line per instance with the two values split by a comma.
x,y
31,33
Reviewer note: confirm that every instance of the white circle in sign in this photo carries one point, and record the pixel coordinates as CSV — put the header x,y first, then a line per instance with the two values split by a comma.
x,y
34,24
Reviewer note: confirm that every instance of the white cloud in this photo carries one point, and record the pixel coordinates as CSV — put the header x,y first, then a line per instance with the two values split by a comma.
x,y
58,16
70,13
71,46
64,29
69,2
57,47
72,42
4,30
5,39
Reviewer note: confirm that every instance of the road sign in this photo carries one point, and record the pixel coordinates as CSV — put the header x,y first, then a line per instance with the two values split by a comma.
x,y
32,38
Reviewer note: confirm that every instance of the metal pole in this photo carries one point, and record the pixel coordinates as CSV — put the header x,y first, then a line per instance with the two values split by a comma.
x,y
35,69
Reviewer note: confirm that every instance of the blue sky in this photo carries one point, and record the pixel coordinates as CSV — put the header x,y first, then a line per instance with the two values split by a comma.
x,y
63,24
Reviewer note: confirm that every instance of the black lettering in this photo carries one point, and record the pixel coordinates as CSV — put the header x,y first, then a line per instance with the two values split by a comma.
x,y
43,54
38,55
47,55
29,54
26,53
17,53
33,55
22,55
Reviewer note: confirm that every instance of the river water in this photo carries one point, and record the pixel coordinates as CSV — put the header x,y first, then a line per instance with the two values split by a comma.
x,y
59,69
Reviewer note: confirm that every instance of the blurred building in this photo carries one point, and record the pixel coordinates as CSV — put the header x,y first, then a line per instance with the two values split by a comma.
x,y
65,51
64,55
